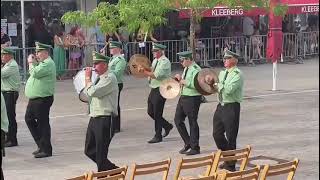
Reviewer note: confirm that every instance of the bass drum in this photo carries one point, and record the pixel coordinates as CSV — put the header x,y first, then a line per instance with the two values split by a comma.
x,y
79,84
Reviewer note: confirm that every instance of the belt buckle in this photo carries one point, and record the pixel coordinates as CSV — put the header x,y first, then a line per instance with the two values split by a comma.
x,y
222,104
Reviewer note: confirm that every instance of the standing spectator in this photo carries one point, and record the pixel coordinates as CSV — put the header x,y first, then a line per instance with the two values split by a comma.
x,y
38,33
5,39
256,44
59,55
76,42
98,37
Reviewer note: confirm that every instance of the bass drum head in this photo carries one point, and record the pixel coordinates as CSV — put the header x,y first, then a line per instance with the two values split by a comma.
x,y
79,84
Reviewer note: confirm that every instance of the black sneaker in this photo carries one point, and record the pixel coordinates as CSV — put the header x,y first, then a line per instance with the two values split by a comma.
x,y
184,149
10,144
155,140
42,155
167,131
193,152
36,152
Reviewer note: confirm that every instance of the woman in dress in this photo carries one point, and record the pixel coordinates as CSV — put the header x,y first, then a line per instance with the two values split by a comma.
x,y
59,55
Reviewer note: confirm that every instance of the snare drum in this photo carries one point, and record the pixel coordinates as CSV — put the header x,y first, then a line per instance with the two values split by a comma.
x,y
80,83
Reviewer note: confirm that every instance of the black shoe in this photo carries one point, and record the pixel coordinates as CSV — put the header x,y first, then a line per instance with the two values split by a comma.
x,y
184,149
10,144
167,131
116,130
42,155
36,152
221,166
155,140
193,152
225,166
230,168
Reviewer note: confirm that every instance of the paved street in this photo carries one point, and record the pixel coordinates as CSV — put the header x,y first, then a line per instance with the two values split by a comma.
x,y
283,124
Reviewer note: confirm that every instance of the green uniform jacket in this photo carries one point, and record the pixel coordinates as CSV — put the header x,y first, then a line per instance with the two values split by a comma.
x,y
161,72
231,89
117,65
189,89
4,117
10,76
103,96
42,80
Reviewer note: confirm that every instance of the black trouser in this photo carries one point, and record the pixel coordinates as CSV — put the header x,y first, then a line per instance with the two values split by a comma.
x,y
117,119
2,151
226,120
10,98
37,119
98,138
155,110
188,106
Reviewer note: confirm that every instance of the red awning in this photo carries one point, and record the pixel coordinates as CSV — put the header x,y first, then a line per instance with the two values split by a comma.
x,y
295,7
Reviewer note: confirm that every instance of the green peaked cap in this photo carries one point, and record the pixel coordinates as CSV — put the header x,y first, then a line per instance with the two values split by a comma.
x,y
156,47
230,54
185,54
97,57
41,46
115,44
7,51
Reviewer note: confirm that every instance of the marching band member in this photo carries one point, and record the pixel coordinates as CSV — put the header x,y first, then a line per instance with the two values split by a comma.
x,y
10,85
4,129
117,65
227,115
188,105
161,70
40,89
103,101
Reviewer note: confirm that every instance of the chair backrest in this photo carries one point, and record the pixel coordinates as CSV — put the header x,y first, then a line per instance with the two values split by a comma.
x,y
118,173
278,169
211,177
232,155
151,168
250,174
121,176
206,161
82,177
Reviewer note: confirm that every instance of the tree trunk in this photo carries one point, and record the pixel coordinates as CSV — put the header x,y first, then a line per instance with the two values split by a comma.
x,y
192,33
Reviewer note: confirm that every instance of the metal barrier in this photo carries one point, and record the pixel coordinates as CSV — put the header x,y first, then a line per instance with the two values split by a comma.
x,y
298,46
208,50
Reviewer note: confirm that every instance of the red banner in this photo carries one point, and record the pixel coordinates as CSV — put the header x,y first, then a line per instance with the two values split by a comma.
x,y
224,11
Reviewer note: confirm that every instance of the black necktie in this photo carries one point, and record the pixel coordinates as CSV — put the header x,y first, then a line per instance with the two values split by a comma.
x,y
184,77
97,80
154,69
220,93
185,73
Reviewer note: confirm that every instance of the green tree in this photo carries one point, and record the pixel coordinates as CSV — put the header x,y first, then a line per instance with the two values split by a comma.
x,y
145,15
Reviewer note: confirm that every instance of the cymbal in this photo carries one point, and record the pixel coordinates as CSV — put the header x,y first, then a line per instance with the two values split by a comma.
x,y
202,86
139,60
169,88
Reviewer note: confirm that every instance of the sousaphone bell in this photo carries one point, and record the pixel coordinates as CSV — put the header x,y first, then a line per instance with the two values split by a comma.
x,y
206,82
